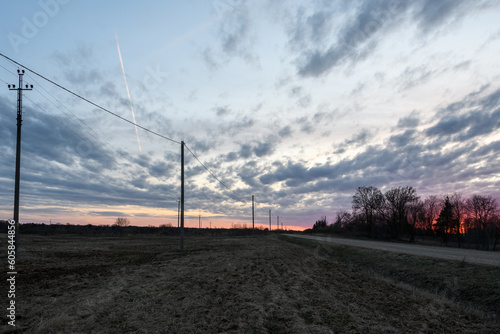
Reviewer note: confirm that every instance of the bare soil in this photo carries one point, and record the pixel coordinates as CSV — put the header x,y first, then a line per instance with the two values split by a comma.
x,y
142,284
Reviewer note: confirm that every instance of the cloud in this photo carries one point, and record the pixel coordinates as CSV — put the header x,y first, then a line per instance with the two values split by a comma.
x,y
483,119
410,121
356,39
285,132
222,111
357,140
235,37
63,164
85,77
430,13
357,35
304,27
409,156
413,76
260,149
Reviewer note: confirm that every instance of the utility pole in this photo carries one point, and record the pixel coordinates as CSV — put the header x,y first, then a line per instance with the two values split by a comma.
x,y
199,221
182,197
278,222
178,212
18,150
253,214
269,220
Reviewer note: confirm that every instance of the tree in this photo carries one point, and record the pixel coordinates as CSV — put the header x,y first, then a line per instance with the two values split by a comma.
x,y
343,219
121,221
445,221
398,199
459,211
416,216
320,224
432,207
368,201
483,209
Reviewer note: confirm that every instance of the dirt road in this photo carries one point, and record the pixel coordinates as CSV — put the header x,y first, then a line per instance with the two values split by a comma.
x,y
467,255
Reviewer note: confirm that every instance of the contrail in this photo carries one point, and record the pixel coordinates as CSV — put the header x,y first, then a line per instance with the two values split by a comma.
x,y
128,92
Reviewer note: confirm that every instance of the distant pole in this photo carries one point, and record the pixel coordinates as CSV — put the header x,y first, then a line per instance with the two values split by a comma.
x,y
253,213
199,221
182,197
278,222
269,220
18,151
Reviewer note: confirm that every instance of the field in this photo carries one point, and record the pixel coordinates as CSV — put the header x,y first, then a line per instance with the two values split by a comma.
x,y
264,284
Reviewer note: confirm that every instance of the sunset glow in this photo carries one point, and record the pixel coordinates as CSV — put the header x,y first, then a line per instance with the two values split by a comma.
x,y
296,103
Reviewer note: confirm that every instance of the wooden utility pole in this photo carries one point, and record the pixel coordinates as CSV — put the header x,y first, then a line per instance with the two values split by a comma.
x,y
269,220
178,212
182,198
18,151
253,213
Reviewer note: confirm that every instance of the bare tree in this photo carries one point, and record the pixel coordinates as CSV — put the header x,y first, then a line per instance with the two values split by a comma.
x,y
368,201
483,209
459,210
121,221
344,218
416,217
398,199
432,206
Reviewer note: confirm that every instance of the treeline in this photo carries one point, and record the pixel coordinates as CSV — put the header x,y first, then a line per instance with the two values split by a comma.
x,y
400,214
122,228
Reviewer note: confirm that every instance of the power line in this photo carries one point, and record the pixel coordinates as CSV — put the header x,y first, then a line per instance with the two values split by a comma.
x,y
8,70
209,171
114,114
66,126
97,136
90,102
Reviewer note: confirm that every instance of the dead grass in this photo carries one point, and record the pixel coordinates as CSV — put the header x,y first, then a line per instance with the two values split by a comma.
x,y
136,284
475,286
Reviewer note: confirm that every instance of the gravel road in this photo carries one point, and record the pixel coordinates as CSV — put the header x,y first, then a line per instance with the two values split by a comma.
x,y
467,255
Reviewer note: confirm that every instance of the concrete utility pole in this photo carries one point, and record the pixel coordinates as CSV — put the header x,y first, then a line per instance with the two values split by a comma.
x,y
18,149
182,197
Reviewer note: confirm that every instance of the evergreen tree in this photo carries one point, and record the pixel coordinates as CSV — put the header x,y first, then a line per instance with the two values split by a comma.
x,y
446,220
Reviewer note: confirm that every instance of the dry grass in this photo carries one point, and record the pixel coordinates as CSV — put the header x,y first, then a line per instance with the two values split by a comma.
x,y
135,284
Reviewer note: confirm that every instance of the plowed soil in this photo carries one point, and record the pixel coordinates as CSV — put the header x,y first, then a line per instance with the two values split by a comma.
x,y
136,284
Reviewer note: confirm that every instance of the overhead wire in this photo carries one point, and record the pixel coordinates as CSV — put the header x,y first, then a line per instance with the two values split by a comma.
x,y
211,173
112,113
90,102
99,138
7,70
53,117
95,134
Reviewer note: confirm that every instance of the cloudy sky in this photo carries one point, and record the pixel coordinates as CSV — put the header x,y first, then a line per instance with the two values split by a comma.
x,y
295,102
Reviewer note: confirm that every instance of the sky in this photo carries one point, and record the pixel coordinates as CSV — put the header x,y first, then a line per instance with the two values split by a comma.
x,y
295,102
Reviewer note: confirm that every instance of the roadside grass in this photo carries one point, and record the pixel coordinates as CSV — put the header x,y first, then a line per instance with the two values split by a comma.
x,y
475,286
